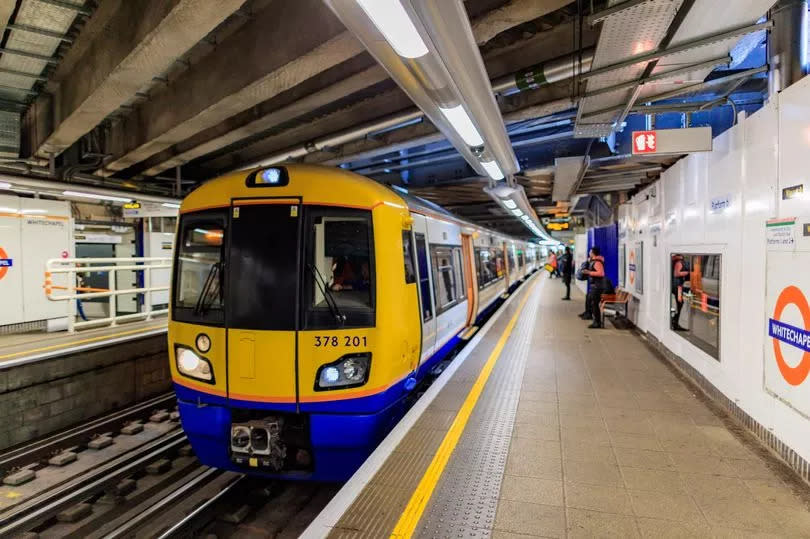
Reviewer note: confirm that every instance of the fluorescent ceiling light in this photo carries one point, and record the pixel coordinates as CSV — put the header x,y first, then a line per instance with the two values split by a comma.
x,y
510,204
95,196
517,212
396,26
493,170
5,185
525,217
461,122
170,205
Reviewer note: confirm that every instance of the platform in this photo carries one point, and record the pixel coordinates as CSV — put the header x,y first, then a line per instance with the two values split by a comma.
x,y
547,428
21,348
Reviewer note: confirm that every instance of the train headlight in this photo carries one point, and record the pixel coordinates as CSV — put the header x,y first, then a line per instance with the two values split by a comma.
x,y
351,370
191,365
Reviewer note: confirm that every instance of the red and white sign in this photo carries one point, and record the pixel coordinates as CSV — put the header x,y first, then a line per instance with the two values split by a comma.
x,y
644,142
672,141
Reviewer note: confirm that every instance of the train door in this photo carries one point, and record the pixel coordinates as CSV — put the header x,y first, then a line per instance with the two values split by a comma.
x,y
425,286
468,252
262,290
508,269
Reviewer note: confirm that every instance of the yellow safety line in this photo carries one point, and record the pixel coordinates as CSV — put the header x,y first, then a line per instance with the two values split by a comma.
x,y
421,496
83,341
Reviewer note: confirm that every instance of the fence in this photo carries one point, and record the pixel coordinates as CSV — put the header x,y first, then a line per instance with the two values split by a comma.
x,y
73,267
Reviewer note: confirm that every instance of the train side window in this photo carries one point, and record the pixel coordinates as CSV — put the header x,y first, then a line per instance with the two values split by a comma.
x,y
424,279
407,252
459,269
444,277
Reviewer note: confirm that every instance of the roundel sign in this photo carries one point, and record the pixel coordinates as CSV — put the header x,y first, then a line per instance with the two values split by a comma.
x,y
786,336
5,263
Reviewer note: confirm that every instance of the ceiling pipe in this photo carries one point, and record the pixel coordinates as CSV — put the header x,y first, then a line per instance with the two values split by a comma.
x,y
57,188
545,73
787,44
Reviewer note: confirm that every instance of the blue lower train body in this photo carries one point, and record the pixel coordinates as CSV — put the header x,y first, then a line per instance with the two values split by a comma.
x,y
343,433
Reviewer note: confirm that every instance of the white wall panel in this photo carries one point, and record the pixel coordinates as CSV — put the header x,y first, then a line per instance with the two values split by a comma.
x,y
749,165
46,231
794,146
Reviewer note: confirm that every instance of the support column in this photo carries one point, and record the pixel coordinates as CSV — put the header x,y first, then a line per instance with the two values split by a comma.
x,y
787,44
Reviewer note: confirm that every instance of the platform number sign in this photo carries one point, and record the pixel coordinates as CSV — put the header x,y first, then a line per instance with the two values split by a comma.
x,y
645,142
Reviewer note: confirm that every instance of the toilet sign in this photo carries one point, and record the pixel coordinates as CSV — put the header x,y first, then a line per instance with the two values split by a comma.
x,y
671,141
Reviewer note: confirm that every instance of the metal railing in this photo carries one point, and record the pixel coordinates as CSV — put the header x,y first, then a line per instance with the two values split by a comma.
x,y
73,267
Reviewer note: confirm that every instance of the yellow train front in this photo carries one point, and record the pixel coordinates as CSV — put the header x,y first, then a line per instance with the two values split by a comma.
x,y
296,329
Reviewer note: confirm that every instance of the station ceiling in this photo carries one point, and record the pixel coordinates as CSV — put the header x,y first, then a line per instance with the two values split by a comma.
x,y
150,93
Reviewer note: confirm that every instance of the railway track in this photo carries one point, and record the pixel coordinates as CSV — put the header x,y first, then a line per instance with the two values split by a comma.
x,y
67,500
81,435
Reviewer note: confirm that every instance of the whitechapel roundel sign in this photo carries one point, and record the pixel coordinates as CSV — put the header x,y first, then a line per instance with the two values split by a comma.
x,y
787,332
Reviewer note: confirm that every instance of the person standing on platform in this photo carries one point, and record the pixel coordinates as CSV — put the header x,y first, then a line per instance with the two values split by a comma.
x,y
598,286
567,265
552,261
679,275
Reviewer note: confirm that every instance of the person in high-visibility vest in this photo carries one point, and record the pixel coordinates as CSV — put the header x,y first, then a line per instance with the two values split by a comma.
x,y
679,276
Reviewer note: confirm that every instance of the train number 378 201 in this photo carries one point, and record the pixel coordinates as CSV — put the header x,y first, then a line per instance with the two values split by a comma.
x,y
334,340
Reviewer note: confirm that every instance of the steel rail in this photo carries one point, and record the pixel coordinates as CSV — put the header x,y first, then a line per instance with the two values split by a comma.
x,y
156,508
45,446
185,521
42,507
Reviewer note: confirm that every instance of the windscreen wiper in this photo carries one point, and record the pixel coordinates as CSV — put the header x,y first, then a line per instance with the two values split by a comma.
x,y
323,286
203,304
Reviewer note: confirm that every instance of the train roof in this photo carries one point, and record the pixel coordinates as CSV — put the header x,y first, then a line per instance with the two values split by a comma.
x,y
316,184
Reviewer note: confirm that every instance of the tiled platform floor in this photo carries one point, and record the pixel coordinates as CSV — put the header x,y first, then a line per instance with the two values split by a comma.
x,y
609,442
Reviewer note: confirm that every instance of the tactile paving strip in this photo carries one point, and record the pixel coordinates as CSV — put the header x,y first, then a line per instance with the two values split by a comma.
x,y
376,510
465,501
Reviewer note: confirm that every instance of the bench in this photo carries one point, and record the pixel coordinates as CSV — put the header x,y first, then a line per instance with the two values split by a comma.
x,y
620,298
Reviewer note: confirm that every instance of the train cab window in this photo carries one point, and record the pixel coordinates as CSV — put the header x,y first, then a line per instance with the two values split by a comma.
x,y
339,268
199,269
695,300
407,253
521,259
447,281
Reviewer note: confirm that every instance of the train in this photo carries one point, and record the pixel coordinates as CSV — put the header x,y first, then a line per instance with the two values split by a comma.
x,y
309,304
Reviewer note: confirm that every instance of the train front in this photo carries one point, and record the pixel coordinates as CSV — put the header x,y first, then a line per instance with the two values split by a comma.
x,y
293,333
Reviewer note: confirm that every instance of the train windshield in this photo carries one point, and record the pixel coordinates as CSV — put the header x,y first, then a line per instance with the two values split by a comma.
x,y
200,276
339,268
255,270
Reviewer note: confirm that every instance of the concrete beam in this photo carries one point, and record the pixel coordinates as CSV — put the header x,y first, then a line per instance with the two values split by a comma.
x,y
225,134
531,104
512,14
250,85
524,53
364,111
139,40
6,9
269,55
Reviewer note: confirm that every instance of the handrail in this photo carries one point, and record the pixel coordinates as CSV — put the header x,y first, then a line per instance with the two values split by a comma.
x,y
73,267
